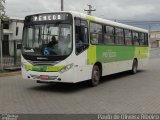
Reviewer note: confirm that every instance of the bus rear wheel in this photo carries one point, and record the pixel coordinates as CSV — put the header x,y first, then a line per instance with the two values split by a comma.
x,y
134,67
95,76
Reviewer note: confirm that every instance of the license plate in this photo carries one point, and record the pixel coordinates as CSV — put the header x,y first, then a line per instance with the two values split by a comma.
x,y
44,77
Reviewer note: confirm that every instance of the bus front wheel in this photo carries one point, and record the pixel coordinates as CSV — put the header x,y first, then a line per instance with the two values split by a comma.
x,y
134,66
95,75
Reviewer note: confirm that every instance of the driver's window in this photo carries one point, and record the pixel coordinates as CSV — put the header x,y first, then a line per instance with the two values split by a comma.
x,y
81,35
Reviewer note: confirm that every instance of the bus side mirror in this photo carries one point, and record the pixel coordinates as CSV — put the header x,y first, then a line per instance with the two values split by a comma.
x,y
19,46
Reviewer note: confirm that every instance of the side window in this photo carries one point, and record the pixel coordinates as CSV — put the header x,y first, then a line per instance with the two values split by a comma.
x,y
109,35
135,38
81,35
141,39
119,36
84,32
128,37
96,33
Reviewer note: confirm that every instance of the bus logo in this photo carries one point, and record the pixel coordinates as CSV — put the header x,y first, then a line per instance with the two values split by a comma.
x,y
109,54
47,51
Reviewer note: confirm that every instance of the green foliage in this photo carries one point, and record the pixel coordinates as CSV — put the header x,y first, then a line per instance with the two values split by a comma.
x,y
2,10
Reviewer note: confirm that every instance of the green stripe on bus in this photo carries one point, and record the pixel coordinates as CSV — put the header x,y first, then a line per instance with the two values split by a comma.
x,y
91,54
88,17
114,53
28,66
39,68
54,68
106,54
43,68
141,52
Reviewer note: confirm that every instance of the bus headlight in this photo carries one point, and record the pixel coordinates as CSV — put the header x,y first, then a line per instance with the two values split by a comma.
x,y
66,68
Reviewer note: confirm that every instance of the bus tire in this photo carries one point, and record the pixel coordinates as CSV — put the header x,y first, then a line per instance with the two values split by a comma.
x,y
134,66
95,76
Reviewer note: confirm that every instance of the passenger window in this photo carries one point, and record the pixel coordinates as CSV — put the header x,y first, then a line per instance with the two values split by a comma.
x,y
128,37
109,35
96,33
135,38
119,36
141,39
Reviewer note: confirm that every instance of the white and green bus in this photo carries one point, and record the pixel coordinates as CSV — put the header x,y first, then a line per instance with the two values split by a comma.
x,y
72,47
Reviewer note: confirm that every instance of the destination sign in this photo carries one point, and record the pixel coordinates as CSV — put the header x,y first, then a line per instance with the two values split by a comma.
x,y
49,17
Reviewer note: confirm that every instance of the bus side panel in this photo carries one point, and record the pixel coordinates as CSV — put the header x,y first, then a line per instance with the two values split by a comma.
x,y
115,58
120,58
82,71
115,67
142,54
107,54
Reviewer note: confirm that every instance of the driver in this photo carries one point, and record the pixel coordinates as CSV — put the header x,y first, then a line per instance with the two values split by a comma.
x,y
53,42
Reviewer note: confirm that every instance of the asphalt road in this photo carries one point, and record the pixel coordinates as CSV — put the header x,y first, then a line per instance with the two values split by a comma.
x,y
155,53
119,93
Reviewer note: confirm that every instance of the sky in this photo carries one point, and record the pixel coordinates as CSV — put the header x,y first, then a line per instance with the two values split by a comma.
x,y
111,9
117,10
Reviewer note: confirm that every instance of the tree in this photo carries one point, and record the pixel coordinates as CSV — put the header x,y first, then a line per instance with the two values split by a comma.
x,y
3,15
2,9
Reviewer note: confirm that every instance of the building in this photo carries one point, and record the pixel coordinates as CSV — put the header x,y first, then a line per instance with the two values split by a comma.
x,y
12,35
155,39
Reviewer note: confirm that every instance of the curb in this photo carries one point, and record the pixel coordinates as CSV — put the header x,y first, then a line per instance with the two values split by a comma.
x,y
5,74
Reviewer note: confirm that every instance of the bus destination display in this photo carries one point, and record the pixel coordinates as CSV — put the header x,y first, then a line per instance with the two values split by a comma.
x,y
49,17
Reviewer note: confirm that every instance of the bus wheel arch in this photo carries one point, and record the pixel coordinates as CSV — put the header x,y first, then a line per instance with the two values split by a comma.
x,y
134,66
96,74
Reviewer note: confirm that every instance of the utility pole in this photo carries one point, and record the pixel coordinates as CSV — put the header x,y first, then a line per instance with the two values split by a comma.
x,y
90,10
1,60
62,5
2,15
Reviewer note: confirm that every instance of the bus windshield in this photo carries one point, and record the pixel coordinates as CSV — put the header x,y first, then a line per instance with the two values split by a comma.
x,y
47,40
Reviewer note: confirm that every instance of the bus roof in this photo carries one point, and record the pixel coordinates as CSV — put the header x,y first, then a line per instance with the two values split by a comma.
x,y
107,22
